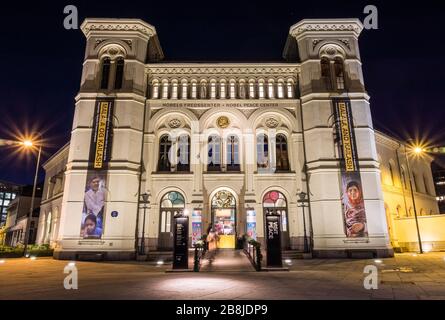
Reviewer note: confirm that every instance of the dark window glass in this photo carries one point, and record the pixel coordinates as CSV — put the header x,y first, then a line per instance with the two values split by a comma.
x,y
119,74
262,151
184,153
339,74
214,153
164,150
281,153
106,64
233,163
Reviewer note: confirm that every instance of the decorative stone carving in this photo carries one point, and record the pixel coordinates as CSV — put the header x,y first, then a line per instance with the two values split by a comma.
x,y
271,123
222,122
331,51
174,123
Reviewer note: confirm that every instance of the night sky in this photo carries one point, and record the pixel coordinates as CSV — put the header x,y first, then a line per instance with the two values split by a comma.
x,y
41,62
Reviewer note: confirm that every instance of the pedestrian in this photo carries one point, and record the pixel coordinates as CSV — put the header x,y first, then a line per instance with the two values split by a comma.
x,y
212,240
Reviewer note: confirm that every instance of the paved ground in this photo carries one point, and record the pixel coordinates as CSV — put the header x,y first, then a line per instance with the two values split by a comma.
x,y
403,277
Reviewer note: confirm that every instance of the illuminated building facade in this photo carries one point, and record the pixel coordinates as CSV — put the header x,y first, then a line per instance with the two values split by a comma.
x,y
225,143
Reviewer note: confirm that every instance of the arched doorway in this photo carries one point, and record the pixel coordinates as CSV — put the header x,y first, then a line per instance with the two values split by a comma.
x,y
274,203
223,205
172,203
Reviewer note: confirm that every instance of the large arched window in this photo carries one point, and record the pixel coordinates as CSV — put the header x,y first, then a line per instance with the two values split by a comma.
x,y
233,163
164,149
262,151
119,73
252,89
214,153
274,203
339,74
282,160
106,65
183,153
172,204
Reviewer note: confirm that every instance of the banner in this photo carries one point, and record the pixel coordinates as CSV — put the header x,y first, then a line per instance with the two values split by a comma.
x,y
251,223
196,226
100,153
353,204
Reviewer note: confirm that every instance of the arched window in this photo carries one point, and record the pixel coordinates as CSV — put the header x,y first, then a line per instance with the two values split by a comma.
x,y
203,90
242,89
194,91
232,89
212,89
290,89
222,89
165,89
184,89
214,153
155,90
106,65
119,74
251,89
233,163
270,90
339,74
398,211
262,149
280,89
174,94
164,150
326,73
261,93
282,159
184,153
172,204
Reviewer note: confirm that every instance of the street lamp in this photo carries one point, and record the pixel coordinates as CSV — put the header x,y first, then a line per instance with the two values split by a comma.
x,y
302,195
145,201
28,143
418,150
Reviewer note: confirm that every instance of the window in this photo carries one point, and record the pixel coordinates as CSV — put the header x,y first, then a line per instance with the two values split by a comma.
x,y
339,74
174,94
194,91
164,151
274,203
270,90
280,90
326,73
119,74
233,163
155,90
290,89
242,89
203,90
262,151
281,153
213,90
232,90
184,153
222,90
184,90
261,89
165,90
106,64
251,89
169,202
214,153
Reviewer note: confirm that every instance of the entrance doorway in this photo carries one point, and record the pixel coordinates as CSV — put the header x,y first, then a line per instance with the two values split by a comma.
x,y
224,218
274,203
172,204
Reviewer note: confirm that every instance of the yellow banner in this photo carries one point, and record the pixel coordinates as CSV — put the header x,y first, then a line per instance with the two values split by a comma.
x,y
346,137
101,134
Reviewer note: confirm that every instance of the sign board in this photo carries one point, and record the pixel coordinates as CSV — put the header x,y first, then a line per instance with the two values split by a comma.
x,y
180,243
251,223
273,241
196,226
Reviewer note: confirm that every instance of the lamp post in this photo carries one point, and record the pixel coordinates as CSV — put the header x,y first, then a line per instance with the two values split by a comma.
x,y
145,201
303,201
418,151
29,144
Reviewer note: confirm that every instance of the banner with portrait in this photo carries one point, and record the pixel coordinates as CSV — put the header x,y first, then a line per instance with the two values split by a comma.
x,y
353,204
95,192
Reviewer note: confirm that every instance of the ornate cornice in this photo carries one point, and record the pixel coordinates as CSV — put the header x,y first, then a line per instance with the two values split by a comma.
x,y
330,25
215,70
99,25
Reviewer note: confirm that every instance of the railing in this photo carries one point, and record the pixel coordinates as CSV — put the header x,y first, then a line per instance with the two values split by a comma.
x,y
252,249
200,250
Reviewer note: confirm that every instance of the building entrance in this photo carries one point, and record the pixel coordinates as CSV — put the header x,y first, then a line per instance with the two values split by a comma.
x,y
224,218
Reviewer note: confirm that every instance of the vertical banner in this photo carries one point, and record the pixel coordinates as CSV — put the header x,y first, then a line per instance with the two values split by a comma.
x,y
100,153
196,226
251,223
273,241
353,203
180,243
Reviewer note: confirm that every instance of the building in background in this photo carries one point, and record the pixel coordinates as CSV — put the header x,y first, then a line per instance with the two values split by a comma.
x,y
439,181
18,217
8,192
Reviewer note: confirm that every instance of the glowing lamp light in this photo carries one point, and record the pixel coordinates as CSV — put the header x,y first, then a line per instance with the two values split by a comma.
x,y
288,261
72,264
418,150
160,263
27,143
33,258
2,261
427,247
378,261
414,254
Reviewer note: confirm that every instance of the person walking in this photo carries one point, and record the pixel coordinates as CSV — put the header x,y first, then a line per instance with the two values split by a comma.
x,y
212,240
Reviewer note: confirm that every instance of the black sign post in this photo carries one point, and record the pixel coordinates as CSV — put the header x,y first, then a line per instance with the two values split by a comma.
x,y
273,240
180,245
